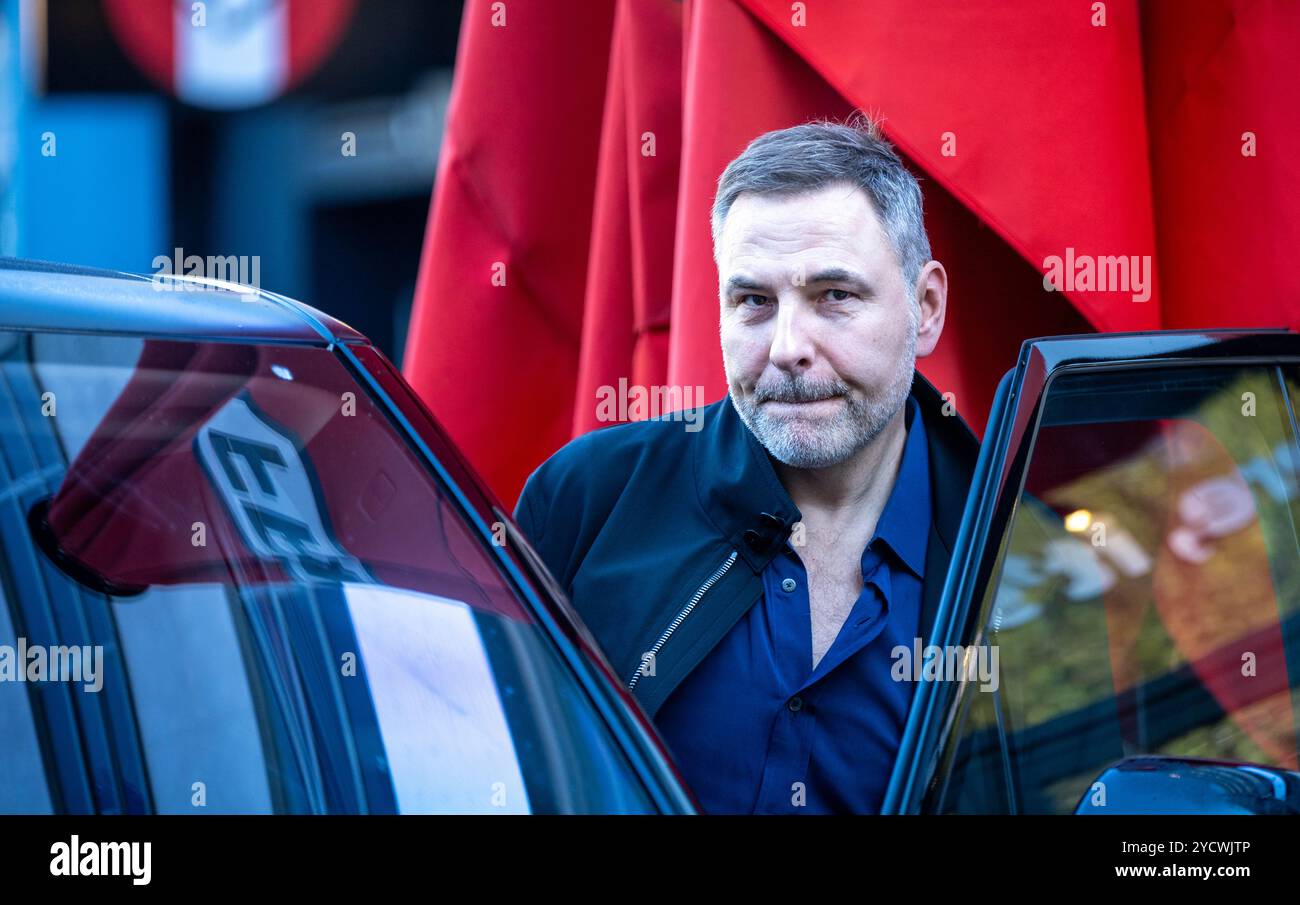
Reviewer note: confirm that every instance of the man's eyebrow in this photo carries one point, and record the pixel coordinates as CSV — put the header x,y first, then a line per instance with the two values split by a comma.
x,y
742,281
839,275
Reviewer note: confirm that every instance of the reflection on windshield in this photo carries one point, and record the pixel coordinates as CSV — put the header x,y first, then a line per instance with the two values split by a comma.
x,y
445,732
311,624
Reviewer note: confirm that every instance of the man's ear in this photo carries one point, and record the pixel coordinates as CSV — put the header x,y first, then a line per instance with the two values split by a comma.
x,y
932,300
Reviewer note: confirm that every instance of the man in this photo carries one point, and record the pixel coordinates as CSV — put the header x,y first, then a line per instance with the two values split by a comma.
x,y
749,580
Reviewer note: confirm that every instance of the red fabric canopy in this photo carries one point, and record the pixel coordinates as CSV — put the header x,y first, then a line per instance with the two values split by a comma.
x,y
568,242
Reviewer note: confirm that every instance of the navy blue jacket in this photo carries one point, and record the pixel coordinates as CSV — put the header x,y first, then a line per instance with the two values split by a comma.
x,y
659,535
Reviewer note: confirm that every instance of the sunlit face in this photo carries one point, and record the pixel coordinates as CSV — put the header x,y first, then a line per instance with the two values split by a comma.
x,y
818,326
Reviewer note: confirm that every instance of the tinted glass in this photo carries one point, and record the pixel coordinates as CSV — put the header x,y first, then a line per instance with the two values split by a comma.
x,y
275,607
1146,592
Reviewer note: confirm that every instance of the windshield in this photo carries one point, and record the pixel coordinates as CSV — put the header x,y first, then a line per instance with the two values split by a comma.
x,y
273,605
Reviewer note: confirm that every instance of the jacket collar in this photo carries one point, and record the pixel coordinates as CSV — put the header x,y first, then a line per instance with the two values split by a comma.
x,y
904,523
953,449
738,487
742,496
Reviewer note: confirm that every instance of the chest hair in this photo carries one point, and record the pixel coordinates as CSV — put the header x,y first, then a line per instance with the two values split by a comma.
x,y
834,583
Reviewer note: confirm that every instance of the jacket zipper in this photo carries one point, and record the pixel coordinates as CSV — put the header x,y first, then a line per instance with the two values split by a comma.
x,y
681,617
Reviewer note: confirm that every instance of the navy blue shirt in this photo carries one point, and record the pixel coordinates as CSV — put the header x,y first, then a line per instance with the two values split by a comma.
x,y
755,729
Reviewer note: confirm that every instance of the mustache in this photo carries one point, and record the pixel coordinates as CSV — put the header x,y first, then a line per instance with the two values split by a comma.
x,y
798,389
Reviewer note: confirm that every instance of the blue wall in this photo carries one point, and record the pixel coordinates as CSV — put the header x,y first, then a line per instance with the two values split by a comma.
x,y
102,199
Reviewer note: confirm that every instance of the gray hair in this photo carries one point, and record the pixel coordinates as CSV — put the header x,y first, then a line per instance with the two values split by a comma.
x,y
811,156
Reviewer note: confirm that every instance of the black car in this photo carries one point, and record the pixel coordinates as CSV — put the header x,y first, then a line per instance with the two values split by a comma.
x,y
244,572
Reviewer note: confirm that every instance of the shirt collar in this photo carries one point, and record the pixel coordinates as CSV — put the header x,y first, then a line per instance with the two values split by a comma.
x,y
737,486
904,523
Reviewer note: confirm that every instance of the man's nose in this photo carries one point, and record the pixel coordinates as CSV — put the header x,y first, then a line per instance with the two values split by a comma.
x,y
793,346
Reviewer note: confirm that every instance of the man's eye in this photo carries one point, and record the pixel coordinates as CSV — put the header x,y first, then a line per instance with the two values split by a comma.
x,y
757,300
839,295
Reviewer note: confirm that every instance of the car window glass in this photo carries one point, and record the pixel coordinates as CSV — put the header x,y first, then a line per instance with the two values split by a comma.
x,y
194,705
292,615
24,788
1145,597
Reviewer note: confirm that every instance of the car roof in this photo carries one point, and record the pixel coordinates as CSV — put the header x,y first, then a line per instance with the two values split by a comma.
x,y
39,295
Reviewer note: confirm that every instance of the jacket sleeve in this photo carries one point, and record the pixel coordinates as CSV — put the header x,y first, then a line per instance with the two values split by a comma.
x,y
531,509
565,502
548,531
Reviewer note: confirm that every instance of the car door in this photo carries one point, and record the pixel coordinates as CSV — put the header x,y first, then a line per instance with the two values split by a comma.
x,y
286,594
1128,566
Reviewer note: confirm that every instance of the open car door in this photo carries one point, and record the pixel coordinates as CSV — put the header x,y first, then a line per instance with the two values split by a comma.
x,y
1123,605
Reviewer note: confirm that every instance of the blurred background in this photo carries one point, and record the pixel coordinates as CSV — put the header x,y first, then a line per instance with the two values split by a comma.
x,y
122,138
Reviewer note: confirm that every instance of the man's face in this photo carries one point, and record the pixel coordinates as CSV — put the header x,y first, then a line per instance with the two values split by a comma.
x,y
819,329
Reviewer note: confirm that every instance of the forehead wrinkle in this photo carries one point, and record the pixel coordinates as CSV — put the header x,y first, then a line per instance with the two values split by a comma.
x,y
769,237
807,238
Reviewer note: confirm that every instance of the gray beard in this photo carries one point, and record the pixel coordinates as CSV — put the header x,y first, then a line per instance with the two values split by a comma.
x,y
819,446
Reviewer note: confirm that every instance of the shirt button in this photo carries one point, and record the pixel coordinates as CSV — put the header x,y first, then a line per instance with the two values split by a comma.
x,y
788,585
795,704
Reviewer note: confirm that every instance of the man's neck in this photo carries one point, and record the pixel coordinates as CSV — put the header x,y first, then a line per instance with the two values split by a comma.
x,y
851,495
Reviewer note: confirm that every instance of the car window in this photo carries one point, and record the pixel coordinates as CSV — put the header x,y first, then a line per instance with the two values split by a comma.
x,y
24,789
281,609
1146,594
